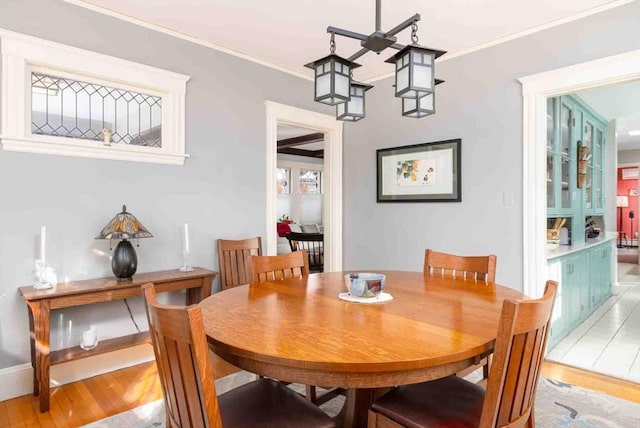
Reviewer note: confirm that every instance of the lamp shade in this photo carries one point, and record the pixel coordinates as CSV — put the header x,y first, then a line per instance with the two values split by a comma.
x,y
419,107
414,75
422,106
332,79
353,110
622,201
124,225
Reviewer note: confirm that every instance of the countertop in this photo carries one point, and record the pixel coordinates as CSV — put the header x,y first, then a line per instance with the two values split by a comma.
x,y
563,250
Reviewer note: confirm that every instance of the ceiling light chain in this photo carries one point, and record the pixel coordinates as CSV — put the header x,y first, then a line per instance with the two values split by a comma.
x,y
414,76
414,33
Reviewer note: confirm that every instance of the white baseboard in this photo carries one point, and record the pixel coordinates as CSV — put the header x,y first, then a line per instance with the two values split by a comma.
x,y
18,380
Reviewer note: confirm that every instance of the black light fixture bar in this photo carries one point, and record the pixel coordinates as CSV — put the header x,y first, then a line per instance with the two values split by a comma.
x,y
406,24
347,33
377,41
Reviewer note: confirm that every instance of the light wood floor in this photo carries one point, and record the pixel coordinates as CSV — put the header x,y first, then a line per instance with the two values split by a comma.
x,y
92,399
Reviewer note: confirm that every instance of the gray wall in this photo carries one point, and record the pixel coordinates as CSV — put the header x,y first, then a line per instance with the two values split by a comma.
x,y
628,156
481,103
219,191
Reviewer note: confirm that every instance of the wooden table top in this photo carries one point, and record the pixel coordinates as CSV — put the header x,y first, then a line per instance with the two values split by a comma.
x,y
111,283
301,327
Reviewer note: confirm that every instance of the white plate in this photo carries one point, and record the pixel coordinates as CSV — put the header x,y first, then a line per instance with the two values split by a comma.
x,y
382,297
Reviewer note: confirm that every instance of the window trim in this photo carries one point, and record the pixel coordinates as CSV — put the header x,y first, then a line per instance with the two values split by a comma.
x,y
22,54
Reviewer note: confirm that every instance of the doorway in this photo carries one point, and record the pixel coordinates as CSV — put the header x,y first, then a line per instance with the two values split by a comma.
x,y
536,89
280,114
299,182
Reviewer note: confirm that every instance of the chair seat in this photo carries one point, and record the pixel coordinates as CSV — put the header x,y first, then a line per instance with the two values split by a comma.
x,y
267,403
448,402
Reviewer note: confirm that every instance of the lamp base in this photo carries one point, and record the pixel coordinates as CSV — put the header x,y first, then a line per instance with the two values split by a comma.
x,y
125,261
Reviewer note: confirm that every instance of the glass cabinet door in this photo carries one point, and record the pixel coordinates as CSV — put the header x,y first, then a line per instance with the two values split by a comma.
x,y
598,171
552,127
566,154
588,185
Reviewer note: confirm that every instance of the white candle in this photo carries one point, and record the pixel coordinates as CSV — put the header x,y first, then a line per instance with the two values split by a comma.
x,y
186,237
43,242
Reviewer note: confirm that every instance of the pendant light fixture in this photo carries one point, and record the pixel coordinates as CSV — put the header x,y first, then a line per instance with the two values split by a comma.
x,y
414,72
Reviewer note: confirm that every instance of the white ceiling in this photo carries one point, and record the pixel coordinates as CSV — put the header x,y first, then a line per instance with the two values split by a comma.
x,y
621,102
286,34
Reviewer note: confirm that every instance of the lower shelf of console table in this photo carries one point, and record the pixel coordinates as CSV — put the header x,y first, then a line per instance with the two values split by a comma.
x,y
197,284
109,345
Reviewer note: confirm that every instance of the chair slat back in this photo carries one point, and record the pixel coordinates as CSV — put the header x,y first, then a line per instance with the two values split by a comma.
x,y
313,243
478,268
234,260
519,351
180,346
274,268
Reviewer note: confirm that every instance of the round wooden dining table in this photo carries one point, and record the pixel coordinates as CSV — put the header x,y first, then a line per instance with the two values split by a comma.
x,y
298,330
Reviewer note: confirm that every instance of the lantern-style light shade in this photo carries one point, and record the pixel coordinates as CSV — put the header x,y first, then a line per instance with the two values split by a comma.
x,y
415,71
332,79
420,107
353,110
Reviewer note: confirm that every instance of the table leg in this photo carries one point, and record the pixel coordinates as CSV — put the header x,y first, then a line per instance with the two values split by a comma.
x,y
32,343
354,413
196,295
40,312
193,296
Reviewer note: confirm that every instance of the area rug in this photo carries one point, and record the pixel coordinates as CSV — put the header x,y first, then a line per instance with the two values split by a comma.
x,y
557,405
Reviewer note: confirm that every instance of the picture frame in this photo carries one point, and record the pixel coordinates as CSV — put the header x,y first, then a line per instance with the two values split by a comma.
x,y
426,172
633,192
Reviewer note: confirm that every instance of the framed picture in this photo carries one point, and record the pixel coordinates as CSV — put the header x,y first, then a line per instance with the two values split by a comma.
x,y
633,192
428,172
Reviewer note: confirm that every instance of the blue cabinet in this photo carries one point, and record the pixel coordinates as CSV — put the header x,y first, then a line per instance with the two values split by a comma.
x,y
600,275
575,163
585,283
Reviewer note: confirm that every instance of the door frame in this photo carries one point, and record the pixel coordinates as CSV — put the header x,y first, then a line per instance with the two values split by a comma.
x,y
332,201
535,90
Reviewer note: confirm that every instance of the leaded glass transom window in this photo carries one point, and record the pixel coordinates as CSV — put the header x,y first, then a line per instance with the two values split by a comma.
x,y
64,107
310,182
283,180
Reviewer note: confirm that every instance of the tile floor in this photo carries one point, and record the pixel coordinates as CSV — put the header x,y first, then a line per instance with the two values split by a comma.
x,y
608,342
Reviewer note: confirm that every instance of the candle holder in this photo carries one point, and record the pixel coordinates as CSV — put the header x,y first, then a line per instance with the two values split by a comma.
x,y
186,267
43,280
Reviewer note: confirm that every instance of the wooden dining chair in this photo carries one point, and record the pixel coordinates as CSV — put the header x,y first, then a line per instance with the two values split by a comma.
x,y
478,268
273,268
186,376
511,389
290,265
234,261
481,268
313,243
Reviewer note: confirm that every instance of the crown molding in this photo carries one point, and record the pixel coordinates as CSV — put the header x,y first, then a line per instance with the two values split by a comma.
x,y
183,36
533,30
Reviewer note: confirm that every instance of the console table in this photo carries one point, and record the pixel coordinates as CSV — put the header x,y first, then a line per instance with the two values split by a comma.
x,y
85,292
